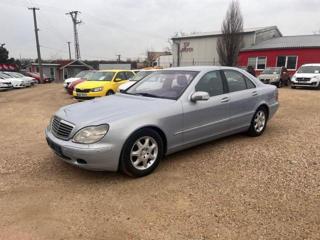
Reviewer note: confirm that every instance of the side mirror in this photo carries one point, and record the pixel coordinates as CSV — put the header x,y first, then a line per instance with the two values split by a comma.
x,y
200,96
118,80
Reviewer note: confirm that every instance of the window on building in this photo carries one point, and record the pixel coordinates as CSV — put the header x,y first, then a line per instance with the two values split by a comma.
x,y
281,61
52,72
290,62
257,62
252,62
261,63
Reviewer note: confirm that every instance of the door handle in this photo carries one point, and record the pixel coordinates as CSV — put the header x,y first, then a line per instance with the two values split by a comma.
x,y
225,99
254,93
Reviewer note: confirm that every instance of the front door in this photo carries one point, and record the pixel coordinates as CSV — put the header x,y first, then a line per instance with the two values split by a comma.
x,y
205,119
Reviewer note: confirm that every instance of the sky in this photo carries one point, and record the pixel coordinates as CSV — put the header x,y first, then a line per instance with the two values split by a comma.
x,y
132,27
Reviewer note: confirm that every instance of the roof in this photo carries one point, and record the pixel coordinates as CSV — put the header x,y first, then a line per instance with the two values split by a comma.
x,y
218,33
301,41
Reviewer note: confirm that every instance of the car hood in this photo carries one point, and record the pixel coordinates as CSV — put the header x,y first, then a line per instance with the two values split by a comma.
x,y
306,75
69,80
92,84
268,76
111,108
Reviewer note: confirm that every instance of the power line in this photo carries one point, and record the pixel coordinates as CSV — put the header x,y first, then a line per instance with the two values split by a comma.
x,y
75,21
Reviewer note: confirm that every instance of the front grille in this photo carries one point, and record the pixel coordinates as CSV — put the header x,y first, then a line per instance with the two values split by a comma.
x,y
303,79
61,129
82,90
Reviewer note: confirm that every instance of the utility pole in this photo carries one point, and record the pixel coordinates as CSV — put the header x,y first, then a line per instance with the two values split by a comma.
x,y
69,50
75,21
119,58
36,30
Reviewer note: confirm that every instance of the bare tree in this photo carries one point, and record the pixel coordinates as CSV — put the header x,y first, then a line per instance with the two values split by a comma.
x,y
230,42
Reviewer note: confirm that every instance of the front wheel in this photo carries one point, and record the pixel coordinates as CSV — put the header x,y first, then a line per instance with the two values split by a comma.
x,y
141,153
258,122
110,92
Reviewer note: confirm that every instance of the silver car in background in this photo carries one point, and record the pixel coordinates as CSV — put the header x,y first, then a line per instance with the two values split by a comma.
x,y
168,111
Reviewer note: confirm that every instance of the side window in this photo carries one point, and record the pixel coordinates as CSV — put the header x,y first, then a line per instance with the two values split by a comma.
x,y
249,83
236,81
129,74
211,83
121,75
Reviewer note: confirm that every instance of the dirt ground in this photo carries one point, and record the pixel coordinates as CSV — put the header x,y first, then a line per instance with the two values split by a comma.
x,y
235,188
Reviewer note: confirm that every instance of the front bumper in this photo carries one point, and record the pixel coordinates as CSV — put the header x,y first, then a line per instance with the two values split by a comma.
x,y
270,81
96,157
89,95
311,84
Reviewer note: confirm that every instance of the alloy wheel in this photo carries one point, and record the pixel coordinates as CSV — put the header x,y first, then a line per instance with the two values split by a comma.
x,y
259,121
144,153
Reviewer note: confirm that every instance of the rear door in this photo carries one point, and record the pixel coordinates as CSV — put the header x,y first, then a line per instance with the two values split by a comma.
x,y
205,119
243,96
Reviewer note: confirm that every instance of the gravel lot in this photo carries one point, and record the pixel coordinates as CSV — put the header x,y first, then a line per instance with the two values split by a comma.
x,y
234,188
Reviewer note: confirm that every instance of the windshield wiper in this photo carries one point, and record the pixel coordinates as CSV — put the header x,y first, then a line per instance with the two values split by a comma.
x,y
146,94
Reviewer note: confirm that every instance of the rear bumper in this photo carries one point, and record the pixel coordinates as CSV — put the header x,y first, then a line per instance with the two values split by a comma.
x,y
273,109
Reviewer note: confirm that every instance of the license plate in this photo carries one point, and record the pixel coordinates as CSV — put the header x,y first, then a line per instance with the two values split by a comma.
x,y
81,94
56,148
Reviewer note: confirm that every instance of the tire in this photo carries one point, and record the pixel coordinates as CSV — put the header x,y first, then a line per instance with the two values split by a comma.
x,y
293,87
138,160
258,122
110,92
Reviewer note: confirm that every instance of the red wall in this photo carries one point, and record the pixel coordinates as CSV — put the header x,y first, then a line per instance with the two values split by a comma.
x,y
305,55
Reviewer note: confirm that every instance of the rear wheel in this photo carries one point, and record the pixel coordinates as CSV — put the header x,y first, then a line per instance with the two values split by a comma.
x,y
141,153
258,122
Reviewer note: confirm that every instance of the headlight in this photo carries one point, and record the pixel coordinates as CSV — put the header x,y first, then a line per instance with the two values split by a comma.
x,y
98,89
91,134
293,78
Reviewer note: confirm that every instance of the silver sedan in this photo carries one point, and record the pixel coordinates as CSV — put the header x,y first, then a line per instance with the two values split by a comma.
x,y
168,111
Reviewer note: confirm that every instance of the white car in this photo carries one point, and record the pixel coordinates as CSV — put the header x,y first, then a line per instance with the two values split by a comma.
x,y
308,75
29,81
139,76
5,84
80,75
16,82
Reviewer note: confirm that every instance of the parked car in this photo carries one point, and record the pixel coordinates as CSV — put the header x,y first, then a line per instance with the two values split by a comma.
x,y
80,75
29,81
278,76
72,85
36,76
187,106
136,78
308,75
102,83
5,84
16,82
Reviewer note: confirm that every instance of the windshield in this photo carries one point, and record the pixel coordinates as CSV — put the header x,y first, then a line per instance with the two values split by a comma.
x,y
141,75
4,76
100,76
309,69
81,74
271,71
169,84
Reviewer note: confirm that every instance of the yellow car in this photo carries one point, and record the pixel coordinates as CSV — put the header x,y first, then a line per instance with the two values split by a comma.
x,y
102,83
